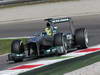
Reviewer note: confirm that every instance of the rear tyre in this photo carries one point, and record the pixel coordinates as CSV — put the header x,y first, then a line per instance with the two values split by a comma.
x,y
17,47
81,38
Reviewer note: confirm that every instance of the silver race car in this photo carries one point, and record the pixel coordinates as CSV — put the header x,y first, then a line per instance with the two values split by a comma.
x,y
43,45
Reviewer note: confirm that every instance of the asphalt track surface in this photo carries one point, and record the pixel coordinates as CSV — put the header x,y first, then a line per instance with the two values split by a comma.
x,y
91,22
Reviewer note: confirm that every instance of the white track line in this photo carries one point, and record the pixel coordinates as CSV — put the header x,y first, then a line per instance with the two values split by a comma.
x,y
15,37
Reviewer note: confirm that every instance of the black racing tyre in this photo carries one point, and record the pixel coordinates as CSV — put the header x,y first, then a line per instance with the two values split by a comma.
x,y
17,47
81,39
58,39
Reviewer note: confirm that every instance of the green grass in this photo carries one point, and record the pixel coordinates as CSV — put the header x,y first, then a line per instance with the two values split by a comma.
x,y
5,45
32,3
65,67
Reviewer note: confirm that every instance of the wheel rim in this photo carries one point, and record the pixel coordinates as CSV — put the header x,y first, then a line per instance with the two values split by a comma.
x,y
86,37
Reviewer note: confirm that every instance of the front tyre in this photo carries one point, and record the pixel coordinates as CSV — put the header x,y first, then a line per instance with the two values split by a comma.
x,y
17,48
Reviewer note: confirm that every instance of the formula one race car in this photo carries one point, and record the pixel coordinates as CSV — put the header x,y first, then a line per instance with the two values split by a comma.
x,y
43,45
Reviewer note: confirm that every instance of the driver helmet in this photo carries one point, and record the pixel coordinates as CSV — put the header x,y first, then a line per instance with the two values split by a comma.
x,y
48,25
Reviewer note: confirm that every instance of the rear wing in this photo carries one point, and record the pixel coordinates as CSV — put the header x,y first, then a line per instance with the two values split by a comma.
x,y
53,21
58,20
